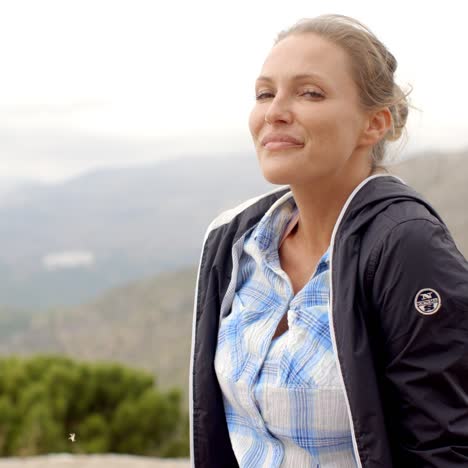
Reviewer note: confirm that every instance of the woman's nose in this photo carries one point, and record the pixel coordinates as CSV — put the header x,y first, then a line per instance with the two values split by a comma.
x,y
278,110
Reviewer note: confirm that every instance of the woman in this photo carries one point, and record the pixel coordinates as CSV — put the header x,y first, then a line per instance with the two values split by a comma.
x,y
331,315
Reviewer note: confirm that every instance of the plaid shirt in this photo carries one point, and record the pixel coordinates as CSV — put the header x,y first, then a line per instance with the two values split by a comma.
x,y
283,400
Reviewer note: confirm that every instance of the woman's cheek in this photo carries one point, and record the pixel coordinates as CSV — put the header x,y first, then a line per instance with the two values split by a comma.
x,y
253,122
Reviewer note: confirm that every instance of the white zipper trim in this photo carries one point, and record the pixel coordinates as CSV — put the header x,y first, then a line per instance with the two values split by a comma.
x,y
330,308
192,349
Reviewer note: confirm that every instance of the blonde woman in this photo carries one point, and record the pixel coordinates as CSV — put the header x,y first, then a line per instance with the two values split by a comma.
x,y
331,314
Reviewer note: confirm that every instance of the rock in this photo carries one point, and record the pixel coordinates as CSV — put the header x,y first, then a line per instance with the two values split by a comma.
x,y
66,460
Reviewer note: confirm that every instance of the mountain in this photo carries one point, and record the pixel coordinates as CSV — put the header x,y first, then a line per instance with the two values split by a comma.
x,y
145,324
66,243
63,244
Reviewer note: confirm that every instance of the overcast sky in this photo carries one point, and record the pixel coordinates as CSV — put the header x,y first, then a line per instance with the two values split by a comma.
x,y
95,83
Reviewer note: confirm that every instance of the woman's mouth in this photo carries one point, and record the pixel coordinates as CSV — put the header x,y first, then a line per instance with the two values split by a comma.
x,y
277,145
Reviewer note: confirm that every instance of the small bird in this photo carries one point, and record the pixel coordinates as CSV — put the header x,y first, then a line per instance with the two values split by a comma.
x,y
72,437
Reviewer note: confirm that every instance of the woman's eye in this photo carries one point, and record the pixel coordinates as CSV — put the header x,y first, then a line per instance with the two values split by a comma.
x,y
262,95
313,93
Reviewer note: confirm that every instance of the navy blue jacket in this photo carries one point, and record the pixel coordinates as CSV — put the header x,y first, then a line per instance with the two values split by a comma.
x,y
398,321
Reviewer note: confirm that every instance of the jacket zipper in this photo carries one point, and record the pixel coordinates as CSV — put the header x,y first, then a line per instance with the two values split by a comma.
x,y
192,350
330,308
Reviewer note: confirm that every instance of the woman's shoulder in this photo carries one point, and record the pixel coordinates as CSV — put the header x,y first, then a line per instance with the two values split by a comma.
x,y
252,206
402,208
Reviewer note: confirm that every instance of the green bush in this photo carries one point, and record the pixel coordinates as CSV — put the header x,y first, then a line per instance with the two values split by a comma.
x,y
109,407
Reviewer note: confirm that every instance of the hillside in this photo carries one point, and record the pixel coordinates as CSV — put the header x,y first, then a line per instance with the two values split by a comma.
x,y
65,244
147,323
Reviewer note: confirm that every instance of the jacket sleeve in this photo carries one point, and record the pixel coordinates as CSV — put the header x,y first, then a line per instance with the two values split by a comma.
x,y
420,292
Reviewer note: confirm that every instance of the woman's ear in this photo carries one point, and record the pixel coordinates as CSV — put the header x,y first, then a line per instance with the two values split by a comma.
x,y
377,124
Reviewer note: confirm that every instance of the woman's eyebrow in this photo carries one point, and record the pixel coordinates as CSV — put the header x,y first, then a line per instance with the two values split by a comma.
x,y
301,76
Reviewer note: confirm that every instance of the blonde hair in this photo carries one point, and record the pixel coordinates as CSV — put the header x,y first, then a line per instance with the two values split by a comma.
x,y
373,68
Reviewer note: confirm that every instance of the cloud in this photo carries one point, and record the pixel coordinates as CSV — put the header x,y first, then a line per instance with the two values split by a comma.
x,y
68,260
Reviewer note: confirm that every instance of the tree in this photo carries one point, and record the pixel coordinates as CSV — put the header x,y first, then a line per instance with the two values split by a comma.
x,y
108,406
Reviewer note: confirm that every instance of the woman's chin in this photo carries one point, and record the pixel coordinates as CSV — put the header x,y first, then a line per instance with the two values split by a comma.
x,y
276,178
281,171
293,176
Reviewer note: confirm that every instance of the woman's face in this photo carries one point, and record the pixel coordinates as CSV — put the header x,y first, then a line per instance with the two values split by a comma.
x,y
306,91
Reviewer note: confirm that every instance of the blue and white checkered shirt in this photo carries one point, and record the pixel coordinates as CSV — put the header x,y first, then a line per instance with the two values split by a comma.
x,y
283,399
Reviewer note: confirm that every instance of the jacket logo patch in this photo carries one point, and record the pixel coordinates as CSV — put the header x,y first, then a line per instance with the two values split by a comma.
x,y
427,301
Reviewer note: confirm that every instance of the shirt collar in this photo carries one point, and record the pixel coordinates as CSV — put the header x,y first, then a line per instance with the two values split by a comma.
x,y
273,224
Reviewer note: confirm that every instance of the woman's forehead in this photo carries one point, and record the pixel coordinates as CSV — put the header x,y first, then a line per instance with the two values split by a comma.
x,y
304,49
306,56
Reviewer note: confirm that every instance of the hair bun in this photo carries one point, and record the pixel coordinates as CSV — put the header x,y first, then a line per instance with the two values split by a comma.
x,y
391,61
399,111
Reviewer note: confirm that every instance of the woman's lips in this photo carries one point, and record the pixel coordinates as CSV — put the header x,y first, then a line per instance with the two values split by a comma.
x,y
277,145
